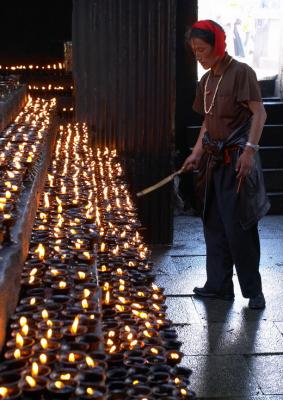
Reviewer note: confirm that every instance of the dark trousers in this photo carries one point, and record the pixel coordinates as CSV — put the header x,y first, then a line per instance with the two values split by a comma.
x,y
227,243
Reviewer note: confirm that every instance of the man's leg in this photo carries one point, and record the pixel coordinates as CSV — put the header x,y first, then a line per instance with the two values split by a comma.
x,y
219,262
244,244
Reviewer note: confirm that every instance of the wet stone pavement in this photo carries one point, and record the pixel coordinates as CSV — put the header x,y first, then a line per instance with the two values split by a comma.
x,y
234,352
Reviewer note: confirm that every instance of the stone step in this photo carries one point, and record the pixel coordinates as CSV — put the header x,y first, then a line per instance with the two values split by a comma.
x,y
268,99
273,178
276,201
272,135
271,156
274,110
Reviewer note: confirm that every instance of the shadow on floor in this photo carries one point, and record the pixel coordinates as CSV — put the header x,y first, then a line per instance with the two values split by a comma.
x,y
234,352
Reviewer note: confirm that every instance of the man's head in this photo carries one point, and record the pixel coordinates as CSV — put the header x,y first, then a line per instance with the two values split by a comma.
x,y
207,40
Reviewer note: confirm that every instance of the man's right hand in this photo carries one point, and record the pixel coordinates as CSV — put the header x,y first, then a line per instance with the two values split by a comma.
x,y
191,163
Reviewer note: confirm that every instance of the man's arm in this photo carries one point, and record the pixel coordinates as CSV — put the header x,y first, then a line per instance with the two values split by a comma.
x,y
192,161
245,161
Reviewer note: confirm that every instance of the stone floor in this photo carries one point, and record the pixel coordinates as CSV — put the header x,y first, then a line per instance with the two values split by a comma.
x,y
234,352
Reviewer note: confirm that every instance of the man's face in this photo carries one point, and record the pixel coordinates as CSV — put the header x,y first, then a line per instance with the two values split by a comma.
x,y
204,53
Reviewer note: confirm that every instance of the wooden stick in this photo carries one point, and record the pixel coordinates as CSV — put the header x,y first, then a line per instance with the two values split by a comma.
x,y
239,184
160,183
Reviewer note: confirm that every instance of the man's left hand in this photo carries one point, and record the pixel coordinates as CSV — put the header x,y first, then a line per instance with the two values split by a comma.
x,y
245,163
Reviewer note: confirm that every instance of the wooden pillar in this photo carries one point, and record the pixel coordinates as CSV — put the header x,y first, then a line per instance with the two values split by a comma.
x,y
124,72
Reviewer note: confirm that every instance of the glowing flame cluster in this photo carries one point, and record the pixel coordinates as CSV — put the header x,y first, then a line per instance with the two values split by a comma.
x,y
85,197
20,147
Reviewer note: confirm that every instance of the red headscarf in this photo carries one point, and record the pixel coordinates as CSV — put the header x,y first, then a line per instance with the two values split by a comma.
x,y
219,35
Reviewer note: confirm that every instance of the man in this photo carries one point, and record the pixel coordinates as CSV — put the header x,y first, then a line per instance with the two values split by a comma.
x,y
230,183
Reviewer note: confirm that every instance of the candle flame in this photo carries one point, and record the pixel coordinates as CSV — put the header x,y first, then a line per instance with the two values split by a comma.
x,y
43,358
89,391
3,392
133,344
31,381
154,350
137,305
34,369
59,385
46,200
43,343
122,299
25,330
23,321
17,354
33,271
71,357
85,303
40,250
86,293
19,340
62,284
81,275
112,349
183,392
107,297
44,314
90,362
102,247
49,333
75,324
174,356
32,301
87,255
65,377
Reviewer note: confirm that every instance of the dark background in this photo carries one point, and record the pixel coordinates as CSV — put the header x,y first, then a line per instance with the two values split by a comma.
x,y
34,31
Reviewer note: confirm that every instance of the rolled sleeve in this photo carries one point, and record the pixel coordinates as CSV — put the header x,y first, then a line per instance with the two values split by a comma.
x,y
248,86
